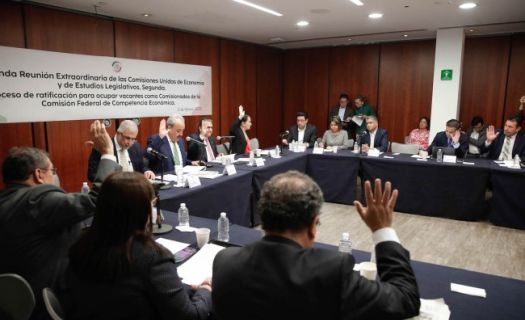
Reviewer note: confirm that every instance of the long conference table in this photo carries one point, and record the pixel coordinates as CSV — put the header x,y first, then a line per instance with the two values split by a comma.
x,y
449,190
504,298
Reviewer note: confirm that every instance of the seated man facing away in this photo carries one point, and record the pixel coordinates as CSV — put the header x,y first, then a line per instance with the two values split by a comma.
x,y
126,149
507,145
374,137
283,277
451,138
302,132
38,220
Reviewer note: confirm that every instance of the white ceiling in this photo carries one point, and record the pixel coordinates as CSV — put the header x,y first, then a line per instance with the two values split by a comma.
x,y
332,22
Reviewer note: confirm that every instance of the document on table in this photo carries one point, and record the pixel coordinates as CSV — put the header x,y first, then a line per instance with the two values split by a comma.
x,y
435,309
192,169
168,177
199,267
172,245
208,174
471,291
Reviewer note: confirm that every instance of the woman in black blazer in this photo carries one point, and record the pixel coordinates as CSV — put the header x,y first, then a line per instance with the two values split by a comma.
x,y
241,142
118,271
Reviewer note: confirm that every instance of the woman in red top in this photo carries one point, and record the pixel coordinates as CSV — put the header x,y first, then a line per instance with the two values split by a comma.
x,y
420,135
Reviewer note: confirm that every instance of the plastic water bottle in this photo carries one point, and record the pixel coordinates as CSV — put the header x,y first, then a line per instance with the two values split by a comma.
x,y
345,245
439,157
277,151
517,161
223,227
252,158
85,188
184,216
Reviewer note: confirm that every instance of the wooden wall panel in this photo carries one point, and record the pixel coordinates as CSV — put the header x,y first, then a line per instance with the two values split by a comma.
x,y
405,86
516,79
354,70
306,82
201,50
12,35
135,41
238,83
53,30
269,96
485,66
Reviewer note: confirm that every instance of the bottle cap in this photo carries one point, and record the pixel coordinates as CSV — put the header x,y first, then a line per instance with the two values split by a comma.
x,y
345,236
183,205
223,214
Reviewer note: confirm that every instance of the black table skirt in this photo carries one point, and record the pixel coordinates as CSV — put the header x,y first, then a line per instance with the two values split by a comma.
x,y
508,197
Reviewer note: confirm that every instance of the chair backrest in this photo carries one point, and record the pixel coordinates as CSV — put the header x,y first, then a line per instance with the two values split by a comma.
x,y
17,299
405,148
223,148
254,143
53,306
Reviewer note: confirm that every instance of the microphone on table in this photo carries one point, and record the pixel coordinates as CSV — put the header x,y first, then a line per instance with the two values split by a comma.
x,y
219,138
157,154
195,140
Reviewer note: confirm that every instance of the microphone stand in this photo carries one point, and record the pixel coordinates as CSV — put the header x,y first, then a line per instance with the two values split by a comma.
x,y
159,227
163,185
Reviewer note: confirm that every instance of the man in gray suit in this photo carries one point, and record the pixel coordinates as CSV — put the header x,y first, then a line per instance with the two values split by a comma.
x,y
38,220
283,276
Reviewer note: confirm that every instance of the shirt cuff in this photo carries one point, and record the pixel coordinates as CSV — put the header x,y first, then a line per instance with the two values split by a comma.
x,y
109,157
487,143
384,234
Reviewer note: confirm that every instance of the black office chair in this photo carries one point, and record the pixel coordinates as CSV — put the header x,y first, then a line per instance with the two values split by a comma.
x,y
17,300
53,306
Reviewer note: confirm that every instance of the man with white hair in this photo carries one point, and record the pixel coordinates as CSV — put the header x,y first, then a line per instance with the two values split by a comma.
x,y
169,142
126,149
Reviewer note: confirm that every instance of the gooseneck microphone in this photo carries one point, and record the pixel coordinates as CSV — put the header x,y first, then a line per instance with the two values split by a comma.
x,y
157,154
195,140
224,137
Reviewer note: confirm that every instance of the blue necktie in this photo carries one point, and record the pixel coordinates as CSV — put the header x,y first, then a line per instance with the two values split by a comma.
x,y
449,142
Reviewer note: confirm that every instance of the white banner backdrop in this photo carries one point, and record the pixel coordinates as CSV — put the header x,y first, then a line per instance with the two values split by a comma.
x,y
40,85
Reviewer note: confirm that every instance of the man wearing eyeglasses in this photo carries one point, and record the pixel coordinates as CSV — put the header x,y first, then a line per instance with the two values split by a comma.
x,y
38,220
126,149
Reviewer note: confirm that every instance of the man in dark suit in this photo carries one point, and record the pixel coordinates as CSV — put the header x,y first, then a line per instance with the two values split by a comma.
x,y
169,142
507,145
303,132
451,138
38,220
283,276
208,150
345,113
126,149
374,137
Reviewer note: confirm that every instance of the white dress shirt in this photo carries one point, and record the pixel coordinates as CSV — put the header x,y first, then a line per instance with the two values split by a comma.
x,y
300,135
123,157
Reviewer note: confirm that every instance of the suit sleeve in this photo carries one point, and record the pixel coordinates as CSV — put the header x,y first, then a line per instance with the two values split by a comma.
x,y
169,295
383,146
463,146
56,209
194,152
94,159
432,145
394,296
313,137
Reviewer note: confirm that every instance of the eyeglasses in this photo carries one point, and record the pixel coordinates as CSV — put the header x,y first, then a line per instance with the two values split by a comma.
x,y
128,137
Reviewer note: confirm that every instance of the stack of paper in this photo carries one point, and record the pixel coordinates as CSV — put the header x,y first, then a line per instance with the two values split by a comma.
x,y
171,245
433,310
199,267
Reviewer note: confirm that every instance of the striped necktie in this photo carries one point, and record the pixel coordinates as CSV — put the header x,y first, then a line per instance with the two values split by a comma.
x,y
506,153
176,158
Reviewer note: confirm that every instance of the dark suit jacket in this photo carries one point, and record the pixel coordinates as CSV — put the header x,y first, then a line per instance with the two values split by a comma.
x,y
349,112
380,141
310,134
198,151
153,290
494,149
38,225
135,155
276,278
163,146
239,142
441,140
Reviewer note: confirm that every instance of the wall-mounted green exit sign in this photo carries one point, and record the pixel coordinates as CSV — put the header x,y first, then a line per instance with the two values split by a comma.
x,y
446,74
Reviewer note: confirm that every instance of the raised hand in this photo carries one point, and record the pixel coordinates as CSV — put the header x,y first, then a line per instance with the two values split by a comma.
x,y
380,205
241,111
163,130
100,138
491,134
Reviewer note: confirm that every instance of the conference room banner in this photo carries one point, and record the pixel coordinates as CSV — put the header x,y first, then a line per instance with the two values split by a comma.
x,y
38,85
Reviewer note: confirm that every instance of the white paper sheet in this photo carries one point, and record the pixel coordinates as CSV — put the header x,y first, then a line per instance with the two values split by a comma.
x,y
185,229
208,174
171,245
357,120
168,177
472,291
192,169
199,267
